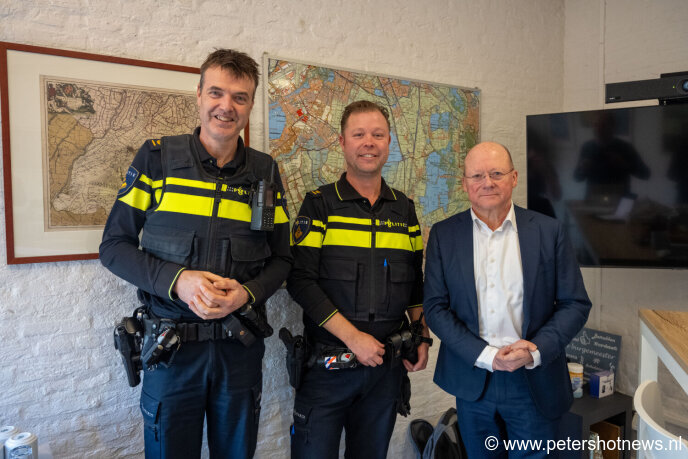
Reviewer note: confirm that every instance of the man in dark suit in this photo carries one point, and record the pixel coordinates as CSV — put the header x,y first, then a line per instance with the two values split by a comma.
x,y
504,294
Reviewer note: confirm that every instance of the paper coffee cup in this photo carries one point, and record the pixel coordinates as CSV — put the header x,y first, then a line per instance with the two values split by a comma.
x,y
576,375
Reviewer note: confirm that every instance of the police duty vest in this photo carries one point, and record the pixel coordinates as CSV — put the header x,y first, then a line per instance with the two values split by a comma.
x,y
201,221
366,258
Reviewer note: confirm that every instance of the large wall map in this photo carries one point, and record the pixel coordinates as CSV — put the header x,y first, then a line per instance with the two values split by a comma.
x,y
91,132
433,127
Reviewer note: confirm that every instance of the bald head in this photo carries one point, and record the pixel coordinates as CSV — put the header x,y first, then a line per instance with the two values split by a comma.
x,y
491,148
489,179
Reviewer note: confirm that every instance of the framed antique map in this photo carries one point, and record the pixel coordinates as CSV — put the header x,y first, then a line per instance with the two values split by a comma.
x,y
432,128
71,125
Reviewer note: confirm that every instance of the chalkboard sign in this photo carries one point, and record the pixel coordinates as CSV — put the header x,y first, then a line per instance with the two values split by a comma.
x,y
595,350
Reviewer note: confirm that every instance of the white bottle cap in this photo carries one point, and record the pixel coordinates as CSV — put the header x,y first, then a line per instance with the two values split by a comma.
x,y
575,367
6,432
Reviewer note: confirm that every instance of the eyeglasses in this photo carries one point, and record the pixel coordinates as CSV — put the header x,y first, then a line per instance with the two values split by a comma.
x,y
495,176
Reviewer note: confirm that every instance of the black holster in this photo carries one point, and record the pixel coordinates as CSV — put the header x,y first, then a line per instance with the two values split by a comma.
x,y
128,335
298,355
404,400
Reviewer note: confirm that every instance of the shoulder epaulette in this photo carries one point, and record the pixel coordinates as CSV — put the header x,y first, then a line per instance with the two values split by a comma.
x,y
154,144
315,194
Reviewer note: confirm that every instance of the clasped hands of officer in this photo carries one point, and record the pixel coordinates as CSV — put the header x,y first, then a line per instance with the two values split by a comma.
x,y
514,356
208,295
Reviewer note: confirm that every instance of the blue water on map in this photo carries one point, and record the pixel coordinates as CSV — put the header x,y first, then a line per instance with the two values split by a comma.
x,y
436,188
378,92
440,121
459,100
395,156
330,76
277,121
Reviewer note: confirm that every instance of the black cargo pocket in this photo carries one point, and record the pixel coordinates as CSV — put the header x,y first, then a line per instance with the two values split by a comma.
x,y
169,244
301,427
401,276
338,278
150,409
248,256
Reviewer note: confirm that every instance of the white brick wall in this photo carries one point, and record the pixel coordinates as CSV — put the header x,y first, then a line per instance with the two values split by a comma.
x,y
60,375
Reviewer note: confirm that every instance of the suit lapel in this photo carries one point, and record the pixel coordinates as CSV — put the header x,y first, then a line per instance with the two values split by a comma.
x,y
529,243
465,239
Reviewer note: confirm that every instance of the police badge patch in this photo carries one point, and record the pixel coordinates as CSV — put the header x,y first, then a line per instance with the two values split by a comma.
x,y
129,179
301,228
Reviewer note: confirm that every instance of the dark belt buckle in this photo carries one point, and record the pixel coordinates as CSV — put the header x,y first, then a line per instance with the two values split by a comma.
x,y
205,332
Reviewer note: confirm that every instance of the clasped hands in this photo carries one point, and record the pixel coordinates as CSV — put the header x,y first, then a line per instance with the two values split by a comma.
x,y
514,356
208,295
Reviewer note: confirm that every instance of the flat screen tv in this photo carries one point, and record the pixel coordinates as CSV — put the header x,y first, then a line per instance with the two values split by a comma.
x,y
617,179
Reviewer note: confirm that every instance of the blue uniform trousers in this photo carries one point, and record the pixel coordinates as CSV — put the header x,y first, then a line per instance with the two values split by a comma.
x,y
217,379
505,411
362,401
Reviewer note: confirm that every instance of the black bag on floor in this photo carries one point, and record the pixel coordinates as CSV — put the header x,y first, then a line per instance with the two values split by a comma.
x,y
441,442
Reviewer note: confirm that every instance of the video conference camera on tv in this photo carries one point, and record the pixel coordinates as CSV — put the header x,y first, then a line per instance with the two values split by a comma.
x,y
670,88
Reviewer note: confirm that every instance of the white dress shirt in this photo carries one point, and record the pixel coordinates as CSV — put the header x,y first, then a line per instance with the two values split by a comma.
x,y
499,287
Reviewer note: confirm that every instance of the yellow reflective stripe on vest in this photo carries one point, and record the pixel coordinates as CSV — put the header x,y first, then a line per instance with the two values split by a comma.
x,y
203,206
241,211
417,243
192,183
187,204
351,238
352,220
233,210
229,209
137,198
393,241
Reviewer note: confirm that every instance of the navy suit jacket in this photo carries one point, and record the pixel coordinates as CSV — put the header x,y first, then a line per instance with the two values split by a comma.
x,y
555,306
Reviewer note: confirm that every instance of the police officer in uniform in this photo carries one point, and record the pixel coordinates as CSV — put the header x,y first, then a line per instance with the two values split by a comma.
x,y
199,264
357,272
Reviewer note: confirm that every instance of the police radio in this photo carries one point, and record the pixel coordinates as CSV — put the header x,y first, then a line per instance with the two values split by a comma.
x,y
263,197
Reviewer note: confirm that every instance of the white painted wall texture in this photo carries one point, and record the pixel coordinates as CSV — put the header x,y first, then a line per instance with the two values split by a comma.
x,y
608,41
60,375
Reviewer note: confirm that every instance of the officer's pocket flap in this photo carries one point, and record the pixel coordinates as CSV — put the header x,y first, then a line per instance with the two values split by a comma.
x,y
170,244
301,413
339,269
149,409
249,248
401,272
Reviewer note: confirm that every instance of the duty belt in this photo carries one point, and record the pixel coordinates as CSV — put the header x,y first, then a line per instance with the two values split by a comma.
x,y
202,331
188,332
